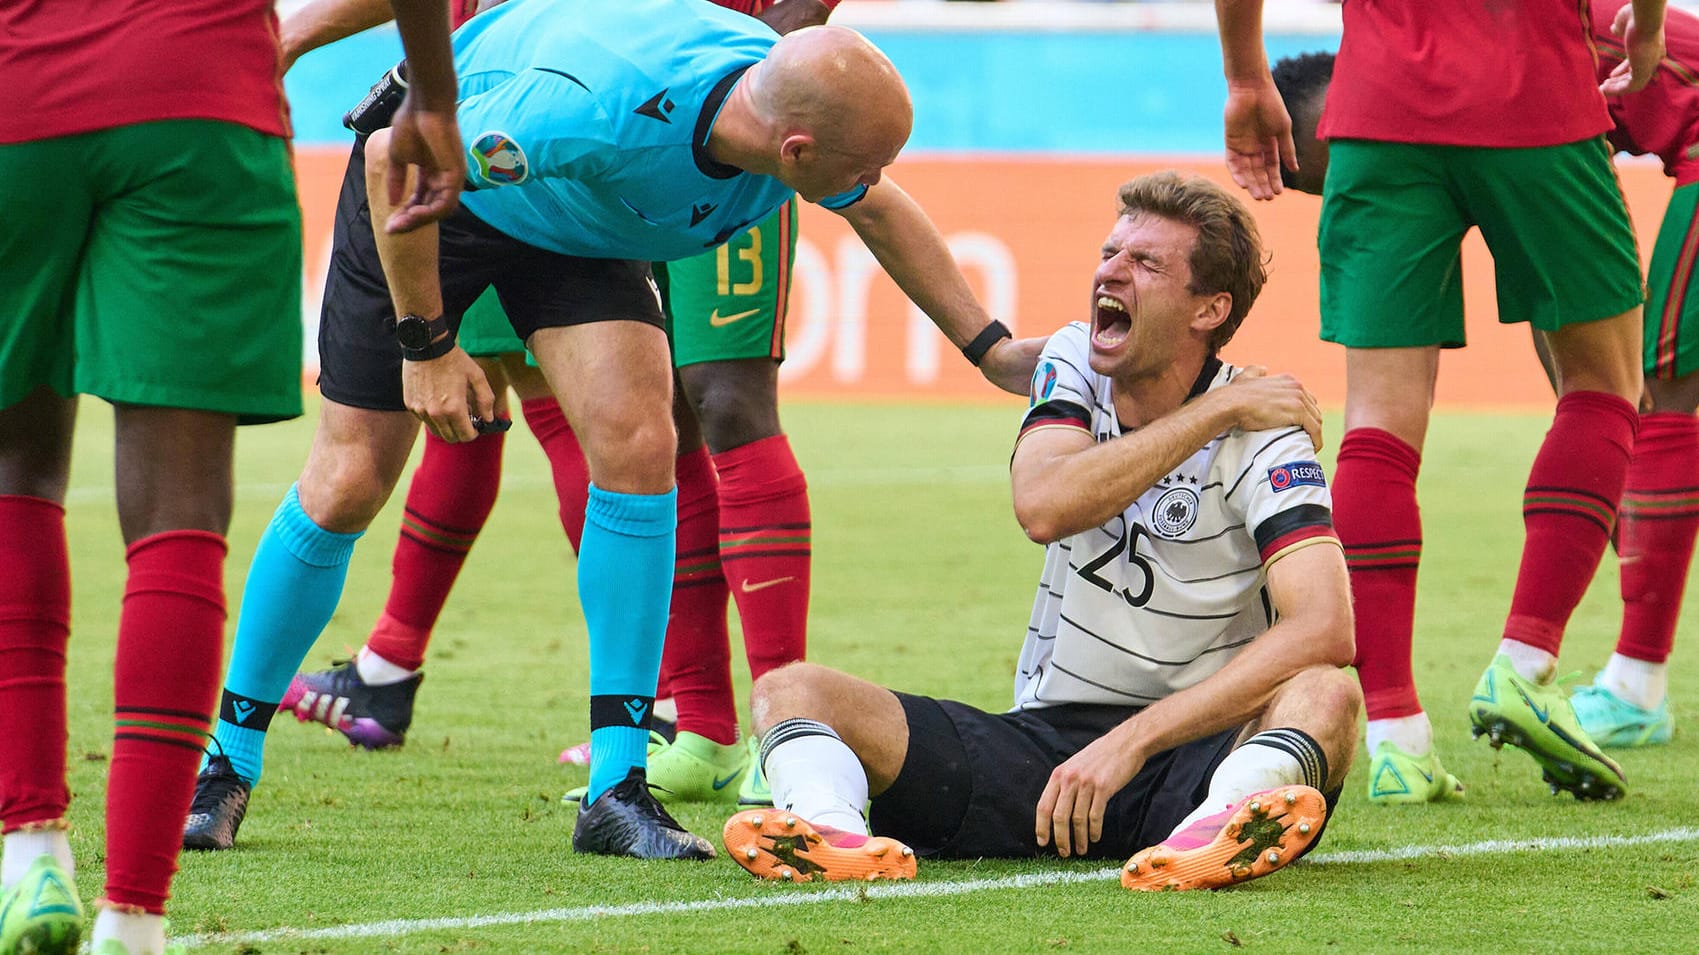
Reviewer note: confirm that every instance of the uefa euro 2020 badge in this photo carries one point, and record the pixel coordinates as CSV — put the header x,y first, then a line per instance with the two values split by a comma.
x,y
500,160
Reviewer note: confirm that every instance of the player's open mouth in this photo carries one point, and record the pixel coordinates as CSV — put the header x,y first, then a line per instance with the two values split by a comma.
x,y
1110,324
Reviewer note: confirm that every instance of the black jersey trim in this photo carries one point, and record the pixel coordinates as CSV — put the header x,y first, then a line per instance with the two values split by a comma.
x,y
709,166
1211,368
1056,410
1289,520
544,69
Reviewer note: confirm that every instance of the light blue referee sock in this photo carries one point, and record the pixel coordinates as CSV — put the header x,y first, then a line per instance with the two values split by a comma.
x,y
625,582
293,586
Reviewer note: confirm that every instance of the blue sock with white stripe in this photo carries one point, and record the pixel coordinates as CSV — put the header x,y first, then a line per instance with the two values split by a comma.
x,y
625,580
293,586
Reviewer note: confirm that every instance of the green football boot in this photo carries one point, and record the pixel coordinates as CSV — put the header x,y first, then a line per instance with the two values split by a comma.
x,y
41,915
1397,779
691,768
1615,723
1538,719
754,792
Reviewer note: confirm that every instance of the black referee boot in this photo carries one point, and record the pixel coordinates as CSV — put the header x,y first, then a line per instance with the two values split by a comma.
x,y
220,802
628,821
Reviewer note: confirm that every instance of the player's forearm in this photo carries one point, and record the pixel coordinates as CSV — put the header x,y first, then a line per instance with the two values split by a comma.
x,y
788,16
1057,496
409,258
1240,691
1649,15
913,253
326,21
430,64
1243,58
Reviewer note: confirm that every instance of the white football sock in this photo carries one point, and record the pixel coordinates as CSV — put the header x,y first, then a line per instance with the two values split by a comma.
x,y
376,671
25,846
141,932
1640,682
1277,757
1531,662
665,709
815,774
1412,734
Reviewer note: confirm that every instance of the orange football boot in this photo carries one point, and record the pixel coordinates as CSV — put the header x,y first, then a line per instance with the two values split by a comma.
x,y
781,845
1260,834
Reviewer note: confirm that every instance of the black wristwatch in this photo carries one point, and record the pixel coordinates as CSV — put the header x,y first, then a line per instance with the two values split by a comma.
x,y
423,339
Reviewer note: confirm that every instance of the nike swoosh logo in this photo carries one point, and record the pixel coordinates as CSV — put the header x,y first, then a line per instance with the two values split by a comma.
x,y
716,320
750,588
723,783
1426,775
1540,713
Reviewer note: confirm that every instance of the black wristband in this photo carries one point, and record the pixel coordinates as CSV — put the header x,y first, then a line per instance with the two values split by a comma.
x,y
993,333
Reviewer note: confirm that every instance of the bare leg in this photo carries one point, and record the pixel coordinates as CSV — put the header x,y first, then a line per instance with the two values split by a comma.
x,y
1324,702
866,716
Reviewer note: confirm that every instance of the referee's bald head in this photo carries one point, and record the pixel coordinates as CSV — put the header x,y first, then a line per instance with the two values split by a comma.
x,y
833,87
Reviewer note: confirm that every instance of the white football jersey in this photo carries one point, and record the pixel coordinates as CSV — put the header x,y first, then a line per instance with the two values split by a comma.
x,y
1162,595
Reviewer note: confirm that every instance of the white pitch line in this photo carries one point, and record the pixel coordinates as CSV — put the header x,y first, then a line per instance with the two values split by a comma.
x,y
904,890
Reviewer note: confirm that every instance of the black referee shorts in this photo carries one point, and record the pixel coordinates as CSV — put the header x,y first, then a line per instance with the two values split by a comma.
x,y
359,359
971,781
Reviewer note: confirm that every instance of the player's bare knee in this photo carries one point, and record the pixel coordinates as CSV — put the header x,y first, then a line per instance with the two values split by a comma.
x,y
1325,702
735,402
342,495
636,458
795,690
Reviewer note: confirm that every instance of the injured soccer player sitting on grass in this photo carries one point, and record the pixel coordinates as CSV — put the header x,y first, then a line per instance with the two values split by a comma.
x,y
1179,695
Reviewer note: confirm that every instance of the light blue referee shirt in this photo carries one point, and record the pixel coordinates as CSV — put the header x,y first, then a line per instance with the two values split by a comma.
x,y
586,123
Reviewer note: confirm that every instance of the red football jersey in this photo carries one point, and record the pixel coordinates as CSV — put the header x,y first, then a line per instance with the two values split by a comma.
x,y
1505,73
459,11
1663,118
755,7
94,64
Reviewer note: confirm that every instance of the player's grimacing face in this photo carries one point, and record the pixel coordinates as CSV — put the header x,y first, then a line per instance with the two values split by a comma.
x,y
1141,305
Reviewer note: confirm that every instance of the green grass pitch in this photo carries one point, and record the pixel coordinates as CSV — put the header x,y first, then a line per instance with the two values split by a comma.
x,y
922,581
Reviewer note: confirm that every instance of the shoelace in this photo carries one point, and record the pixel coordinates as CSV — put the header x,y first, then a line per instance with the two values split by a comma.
x,y
219,785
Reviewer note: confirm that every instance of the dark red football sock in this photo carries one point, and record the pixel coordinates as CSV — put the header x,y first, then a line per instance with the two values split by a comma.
x,y
765,542
450,498
1568,510
170,646
696,660
566,462
35,624
1378,521
1660,517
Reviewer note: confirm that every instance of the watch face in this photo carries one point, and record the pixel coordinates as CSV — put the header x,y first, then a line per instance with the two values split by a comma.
x,y
412,332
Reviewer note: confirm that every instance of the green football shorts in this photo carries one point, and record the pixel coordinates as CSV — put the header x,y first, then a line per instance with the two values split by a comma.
x,y
1672,308
485,330
154,264
723,304
1394,215
730,302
